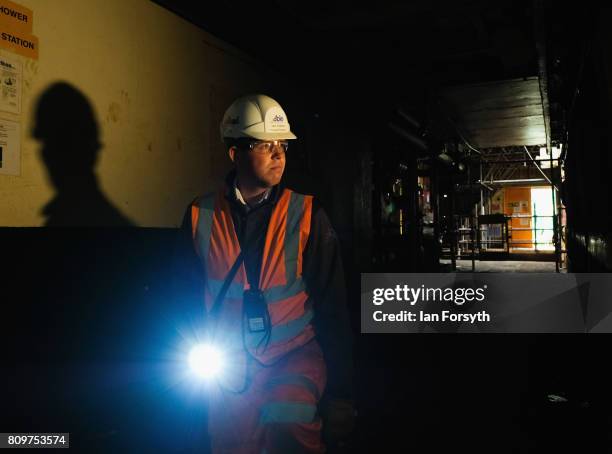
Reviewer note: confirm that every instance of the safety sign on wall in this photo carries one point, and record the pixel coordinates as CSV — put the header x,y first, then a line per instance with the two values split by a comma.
x,y
10,148
10,85
16,29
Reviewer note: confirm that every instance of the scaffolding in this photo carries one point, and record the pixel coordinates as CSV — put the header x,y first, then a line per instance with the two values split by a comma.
x,y
483,236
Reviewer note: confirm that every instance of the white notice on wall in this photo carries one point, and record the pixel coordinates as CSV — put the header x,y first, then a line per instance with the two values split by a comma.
x,y
10,85
10,148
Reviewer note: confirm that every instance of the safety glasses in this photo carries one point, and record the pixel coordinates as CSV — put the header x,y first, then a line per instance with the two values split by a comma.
x,y
268,147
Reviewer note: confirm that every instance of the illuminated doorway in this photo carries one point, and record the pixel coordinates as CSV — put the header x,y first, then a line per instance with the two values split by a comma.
x,y
543,212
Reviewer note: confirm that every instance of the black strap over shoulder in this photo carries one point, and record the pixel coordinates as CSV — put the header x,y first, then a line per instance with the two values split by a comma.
x,y
228,280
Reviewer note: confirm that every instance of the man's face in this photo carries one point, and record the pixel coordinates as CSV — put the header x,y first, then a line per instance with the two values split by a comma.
x,y
262,165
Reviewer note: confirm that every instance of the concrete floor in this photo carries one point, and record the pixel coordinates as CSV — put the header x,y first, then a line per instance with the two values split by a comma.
x,y
504,266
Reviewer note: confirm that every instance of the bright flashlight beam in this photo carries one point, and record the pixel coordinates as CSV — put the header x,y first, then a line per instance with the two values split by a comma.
x,y
206,361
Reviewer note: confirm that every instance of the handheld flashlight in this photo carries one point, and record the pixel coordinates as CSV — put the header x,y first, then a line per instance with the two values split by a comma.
x,y
206,361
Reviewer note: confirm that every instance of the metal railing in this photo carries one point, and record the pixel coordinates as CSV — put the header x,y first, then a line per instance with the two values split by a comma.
x,y
475,238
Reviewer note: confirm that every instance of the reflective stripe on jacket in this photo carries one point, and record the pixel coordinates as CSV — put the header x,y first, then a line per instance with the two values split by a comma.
x,y
280,278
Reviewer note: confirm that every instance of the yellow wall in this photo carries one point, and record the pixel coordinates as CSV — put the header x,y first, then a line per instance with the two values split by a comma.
x,y
517,195
158,86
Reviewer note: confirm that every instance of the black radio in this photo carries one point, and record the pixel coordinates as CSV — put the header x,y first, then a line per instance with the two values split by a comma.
x,y
255,310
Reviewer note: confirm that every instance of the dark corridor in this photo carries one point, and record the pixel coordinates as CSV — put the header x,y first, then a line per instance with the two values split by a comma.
x,y
426,129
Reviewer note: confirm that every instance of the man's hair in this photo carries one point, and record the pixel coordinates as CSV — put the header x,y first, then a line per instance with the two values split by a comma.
x,y
242,143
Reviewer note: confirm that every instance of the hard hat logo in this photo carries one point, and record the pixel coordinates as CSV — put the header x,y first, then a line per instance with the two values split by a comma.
x,y
256,117
275,120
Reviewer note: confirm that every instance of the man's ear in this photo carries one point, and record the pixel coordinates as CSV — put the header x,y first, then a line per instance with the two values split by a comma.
x,y
232,153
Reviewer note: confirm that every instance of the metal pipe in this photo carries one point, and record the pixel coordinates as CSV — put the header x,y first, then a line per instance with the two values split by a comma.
x,y
408,136
469,176
409,119
451,226
518,180
481,195
517,161
556,236
434,188
463,138
540,169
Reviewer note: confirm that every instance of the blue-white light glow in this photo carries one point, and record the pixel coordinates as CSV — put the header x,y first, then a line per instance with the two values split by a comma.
x,y
206,361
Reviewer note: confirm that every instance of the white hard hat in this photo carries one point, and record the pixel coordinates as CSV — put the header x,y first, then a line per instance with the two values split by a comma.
x,y
255,116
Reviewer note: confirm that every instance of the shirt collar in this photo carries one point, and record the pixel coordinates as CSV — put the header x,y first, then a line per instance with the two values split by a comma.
x,y
243,202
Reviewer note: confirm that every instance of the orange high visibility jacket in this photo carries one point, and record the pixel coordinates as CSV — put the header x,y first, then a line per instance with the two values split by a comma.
x,y
216,242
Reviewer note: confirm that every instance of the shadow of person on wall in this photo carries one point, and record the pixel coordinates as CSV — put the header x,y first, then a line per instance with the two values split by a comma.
x,y
66,125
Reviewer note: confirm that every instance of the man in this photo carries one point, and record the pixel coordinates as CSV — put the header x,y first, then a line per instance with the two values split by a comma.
x,y
267,264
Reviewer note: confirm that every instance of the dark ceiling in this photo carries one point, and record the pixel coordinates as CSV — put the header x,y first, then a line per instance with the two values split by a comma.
x,y
384,45
394,52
